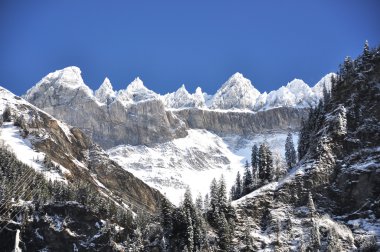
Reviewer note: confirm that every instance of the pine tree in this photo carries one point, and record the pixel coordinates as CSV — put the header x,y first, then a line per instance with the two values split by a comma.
x,y
166,217
206,203
247,179
270,167
199,203
238,186
262,163
188,204
233,193
326,94
290,152
214,203
303,140
265,163
254,158
366,51
189,232
224,234
222,195
308,127
348,67
333,81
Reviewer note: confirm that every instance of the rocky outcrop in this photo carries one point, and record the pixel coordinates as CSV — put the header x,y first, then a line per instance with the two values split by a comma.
x,y
113,124
243,123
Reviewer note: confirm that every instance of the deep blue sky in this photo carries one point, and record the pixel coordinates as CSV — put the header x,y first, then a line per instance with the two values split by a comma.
x,y
167,43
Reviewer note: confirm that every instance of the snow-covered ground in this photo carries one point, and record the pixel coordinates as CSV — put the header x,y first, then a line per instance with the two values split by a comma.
x,y
192,161
11,139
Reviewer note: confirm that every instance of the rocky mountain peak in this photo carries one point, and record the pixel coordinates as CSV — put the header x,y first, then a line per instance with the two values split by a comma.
x,y
296,85
69,76
107,84
136,92
183,99
105,92
63,84
198,91
136,84
237,76
182,90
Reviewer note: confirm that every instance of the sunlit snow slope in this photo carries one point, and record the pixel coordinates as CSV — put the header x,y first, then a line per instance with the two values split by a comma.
x,y
192,161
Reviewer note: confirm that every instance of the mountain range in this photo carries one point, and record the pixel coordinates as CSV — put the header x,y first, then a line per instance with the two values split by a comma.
x,y
157,137
113,170
237,93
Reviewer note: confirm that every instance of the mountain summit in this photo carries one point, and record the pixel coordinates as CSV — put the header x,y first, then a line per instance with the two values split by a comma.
x,y
105,93
236,93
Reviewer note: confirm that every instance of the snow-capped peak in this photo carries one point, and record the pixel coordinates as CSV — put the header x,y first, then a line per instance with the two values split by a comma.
x,y
107,84
69,76
136,92
237,76
105,92
136,84
66,80
236,93
297,85
183,99
198,91
183,89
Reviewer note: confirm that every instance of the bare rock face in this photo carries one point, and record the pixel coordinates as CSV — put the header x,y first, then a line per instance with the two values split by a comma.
x,y
119,121
243,123
137,116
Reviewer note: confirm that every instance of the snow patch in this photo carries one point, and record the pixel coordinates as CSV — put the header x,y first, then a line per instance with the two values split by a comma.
x,y
11,139
192,161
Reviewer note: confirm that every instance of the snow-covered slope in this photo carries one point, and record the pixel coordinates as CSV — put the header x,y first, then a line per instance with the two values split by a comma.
x,y
12,139
192,161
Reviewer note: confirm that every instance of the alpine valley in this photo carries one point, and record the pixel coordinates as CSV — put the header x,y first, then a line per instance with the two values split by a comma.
x,y
295,169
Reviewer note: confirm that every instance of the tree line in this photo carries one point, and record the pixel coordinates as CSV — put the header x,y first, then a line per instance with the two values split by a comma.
x,y
262,170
